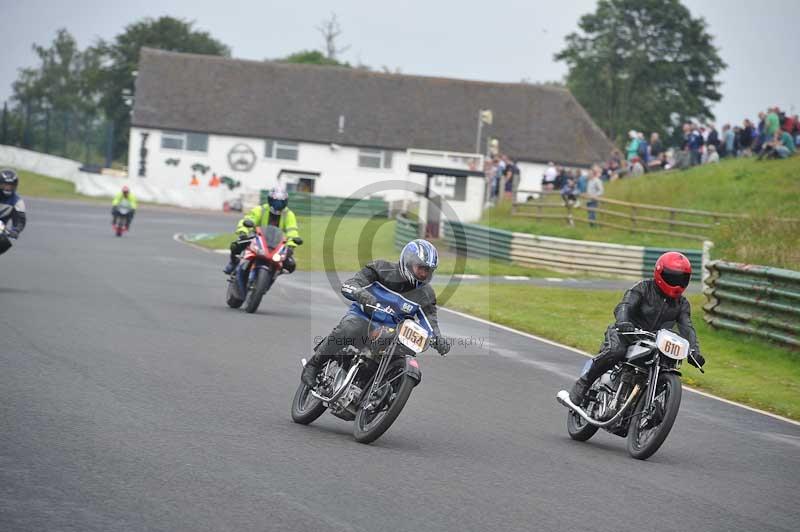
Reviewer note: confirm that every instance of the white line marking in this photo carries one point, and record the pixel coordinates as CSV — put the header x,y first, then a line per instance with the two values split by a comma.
x,y
467,276
584,353
516,277
554,279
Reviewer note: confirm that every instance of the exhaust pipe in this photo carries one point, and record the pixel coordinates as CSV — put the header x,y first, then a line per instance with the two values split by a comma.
x,y
563,398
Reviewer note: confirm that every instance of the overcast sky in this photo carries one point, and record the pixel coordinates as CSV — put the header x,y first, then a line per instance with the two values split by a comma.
x,y
497,40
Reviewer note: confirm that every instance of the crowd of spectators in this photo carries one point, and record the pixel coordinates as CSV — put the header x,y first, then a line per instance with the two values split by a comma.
x,y
775,135
502,176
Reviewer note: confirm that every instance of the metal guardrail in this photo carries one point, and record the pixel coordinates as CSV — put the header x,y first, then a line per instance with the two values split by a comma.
x,y
311,205
405,230
559,254
756,300
690,224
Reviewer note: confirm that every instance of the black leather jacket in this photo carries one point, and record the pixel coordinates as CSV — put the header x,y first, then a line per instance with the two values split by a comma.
x,y
646,307
388,274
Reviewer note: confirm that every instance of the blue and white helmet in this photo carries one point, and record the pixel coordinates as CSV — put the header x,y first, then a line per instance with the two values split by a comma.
x,y
418,261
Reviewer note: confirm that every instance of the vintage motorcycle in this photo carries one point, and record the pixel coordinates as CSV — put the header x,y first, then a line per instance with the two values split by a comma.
x,y
260,264
638,398
370,386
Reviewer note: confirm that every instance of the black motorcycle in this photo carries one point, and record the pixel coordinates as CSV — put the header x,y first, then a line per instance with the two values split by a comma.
x,y
368,386
638,398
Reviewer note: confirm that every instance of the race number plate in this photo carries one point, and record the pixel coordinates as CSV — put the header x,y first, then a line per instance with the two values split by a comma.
x,y
413,336
672,345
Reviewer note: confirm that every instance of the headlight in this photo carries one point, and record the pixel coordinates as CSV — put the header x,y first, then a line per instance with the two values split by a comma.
x,y
276,257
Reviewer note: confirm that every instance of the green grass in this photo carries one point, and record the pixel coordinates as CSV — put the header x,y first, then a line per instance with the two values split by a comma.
x,y
738,367
39,186
764,190
357,241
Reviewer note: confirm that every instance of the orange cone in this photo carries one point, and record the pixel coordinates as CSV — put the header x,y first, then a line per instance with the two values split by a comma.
x,y
195,182
214,181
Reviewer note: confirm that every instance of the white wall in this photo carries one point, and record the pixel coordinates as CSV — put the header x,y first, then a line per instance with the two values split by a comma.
x,y
530,178
340,174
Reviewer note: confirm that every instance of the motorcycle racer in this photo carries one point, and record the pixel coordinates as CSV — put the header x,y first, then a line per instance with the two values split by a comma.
x,y
13,208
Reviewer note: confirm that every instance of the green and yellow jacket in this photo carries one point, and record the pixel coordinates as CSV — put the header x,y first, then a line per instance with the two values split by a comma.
x,y
260,216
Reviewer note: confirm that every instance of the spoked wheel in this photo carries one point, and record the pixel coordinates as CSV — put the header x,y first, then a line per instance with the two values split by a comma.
x,y
649,429
305,407
578,428
378,412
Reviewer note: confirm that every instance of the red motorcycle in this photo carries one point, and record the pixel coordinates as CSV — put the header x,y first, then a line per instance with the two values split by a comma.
x,y
121,220
259,265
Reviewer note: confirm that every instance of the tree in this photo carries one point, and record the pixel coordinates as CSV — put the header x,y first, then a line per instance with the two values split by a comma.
x,y
642,64
330,31
312,57
122,58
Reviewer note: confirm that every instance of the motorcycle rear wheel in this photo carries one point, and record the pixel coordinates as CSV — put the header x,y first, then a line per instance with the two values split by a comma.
x,y
642,445
305,407
257,290
369,426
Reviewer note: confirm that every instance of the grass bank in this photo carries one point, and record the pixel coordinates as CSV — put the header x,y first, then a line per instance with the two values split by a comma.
x,y
738,367
357,241
39,186
764,190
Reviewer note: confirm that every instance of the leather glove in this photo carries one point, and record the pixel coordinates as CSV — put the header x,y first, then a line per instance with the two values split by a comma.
x,y
366,299
441,344
626,327
701,361
12,233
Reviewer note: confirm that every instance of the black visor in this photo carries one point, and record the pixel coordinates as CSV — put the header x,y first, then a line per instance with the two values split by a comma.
x,y
676,278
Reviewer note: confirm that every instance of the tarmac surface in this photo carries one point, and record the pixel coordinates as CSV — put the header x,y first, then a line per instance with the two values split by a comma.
x,y
132,398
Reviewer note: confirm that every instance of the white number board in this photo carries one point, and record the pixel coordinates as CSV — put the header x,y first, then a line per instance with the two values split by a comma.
x,y
672,345
413,336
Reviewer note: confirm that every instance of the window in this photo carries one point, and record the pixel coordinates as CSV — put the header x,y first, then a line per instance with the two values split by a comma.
x,y
281,149
374,158
175,140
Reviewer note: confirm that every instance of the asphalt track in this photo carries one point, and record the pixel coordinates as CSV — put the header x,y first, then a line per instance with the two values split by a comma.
x,y
131,398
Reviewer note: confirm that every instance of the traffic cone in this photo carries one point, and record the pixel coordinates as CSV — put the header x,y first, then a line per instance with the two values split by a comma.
x,y
195,182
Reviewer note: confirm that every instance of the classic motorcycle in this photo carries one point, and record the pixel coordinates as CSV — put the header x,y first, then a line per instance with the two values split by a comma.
x,y
259,265
369,386
120,223
638,398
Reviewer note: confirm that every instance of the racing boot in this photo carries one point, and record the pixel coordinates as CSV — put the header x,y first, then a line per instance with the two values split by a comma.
x,y
309,376
228,269
578,392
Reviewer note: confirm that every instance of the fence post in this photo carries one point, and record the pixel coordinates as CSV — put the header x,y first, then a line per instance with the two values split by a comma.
x,y
706,258
109,144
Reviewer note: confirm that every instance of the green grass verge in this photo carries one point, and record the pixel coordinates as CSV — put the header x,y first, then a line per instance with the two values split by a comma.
x,y
40,186
739,367
764,190
357,241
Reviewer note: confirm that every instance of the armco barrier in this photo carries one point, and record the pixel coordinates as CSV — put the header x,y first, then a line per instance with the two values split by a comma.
x,y
558,254
405,230
310,205
754,300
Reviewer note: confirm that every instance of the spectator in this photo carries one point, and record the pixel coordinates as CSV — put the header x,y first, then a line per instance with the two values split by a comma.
x,y
772,123
594,189
728,141
746,138
713,156
636,167
643,151
508,182
780,146
655,146
695,142
549,177
569,192
561,177
583,180
713,137
632,150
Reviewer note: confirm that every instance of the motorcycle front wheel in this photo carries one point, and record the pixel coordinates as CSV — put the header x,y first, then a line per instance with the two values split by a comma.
x,y
305,407
370,424
648,430
578,428
257,290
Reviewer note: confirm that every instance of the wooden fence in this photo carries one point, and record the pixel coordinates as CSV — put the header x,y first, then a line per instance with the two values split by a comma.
x,y
616,214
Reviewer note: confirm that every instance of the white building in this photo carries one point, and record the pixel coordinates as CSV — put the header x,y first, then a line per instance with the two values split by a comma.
x,y
332,131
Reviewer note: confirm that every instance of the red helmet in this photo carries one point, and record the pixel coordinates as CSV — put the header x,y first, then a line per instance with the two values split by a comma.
x,y
672,273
